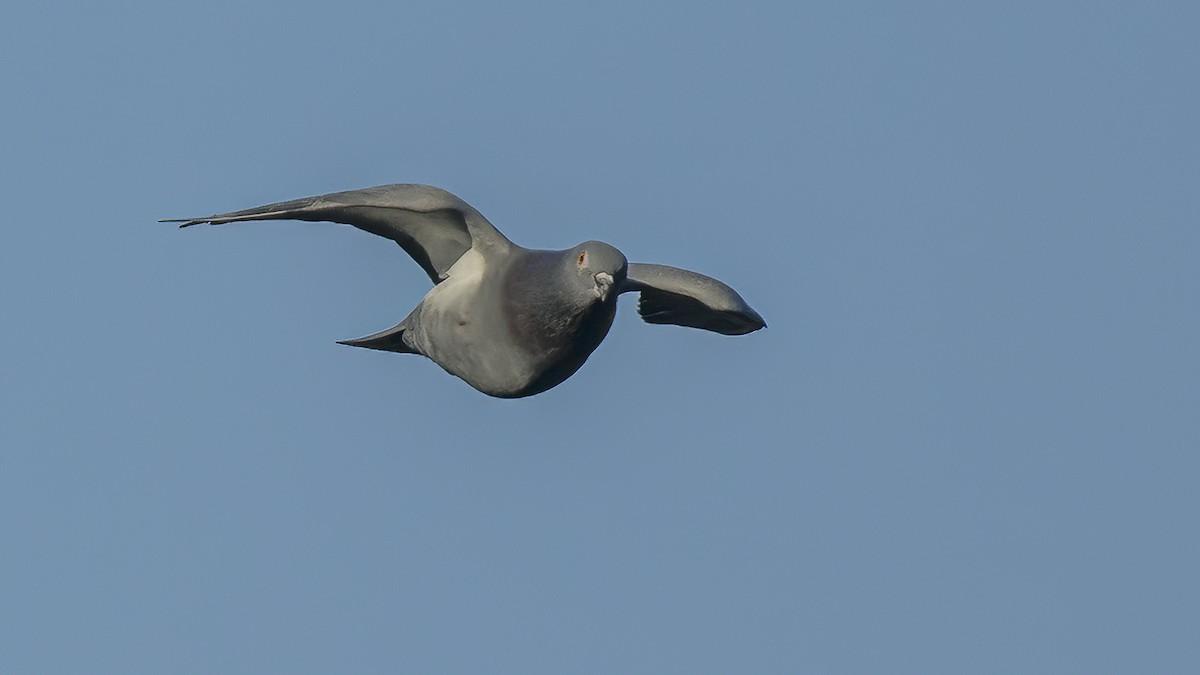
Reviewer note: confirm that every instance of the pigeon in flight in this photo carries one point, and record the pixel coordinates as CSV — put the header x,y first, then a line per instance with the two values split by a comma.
x,y
510,321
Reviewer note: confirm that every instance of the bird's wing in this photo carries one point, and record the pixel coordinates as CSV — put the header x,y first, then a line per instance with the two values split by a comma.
x,y
430,224
684,298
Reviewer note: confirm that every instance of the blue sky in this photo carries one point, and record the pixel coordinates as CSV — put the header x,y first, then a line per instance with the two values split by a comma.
x,y
967,442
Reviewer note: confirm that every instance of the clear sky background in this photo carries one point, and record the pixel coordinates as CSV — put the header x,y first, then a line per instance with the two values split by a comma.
x,y
968,441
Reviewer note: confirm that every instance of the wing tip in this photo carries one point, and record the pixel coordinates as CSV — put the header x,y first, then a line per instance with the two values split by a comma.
x,y
655,308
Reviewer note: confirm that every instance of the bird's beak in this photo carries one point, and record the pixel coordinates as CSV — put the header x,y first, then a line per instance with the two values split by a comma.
x,y
604,284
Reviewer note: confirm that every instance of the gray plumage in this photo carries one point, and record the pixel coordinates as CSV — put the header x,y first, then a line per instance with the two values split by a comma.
x,y
509,321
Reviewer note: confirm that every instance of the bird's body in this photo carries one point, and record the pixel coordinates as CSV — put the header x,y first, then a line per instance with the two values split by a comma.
x,y
496,327
509,321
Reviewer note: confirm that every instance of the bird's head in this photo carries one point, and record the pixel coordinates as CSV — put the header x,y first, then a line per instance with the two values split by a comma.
x,y
598,267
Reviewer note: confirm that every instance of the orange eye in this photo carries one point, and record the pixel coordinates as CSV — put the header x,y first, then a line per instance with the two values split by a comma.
x,y
582,258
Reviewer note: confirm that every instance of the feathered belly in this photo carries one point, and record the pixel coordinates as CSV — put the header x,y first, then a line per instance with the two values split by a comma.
x,y
461,328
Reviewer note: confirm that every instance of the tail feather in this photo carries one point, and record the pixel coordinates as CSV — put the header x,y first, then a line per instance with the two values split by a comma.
x,y
390,340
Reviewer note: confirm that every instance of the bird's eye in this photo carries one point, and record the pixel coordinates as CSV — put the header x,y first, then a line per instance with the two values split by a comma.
x,y
582,258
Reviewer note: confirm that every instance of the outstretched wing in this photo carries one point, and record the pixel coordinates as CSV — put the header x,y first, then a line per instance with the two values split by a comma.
x,y
430,224
672,295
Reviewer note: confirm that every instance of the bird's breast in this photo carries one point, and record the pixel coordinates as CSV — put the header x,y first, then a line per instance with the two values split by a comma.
x,y
557,338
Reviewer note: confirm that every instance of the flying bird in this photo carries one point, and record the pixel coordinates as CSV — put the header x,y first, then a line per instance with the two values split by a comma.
x,y
508,320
